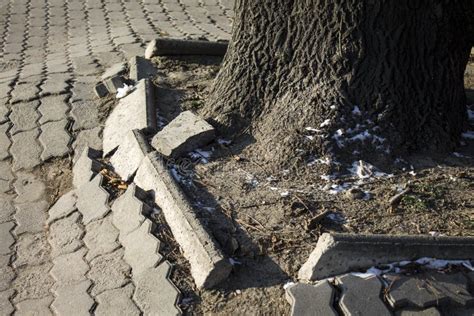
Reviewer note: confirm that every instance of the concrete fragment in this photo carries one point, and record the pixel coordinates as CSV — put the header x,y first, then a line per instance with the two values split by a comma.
x,y
169,46
307,299
101,90
92,200
115,70
361,296
86,167
336,254
114,83
63,207
135,111
128,210
141,68
130,154
208,264
154,293
141,249
184,134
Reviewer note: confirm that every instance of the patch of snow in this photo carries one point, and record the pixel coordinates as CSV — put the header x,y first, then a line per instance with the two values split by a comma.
x,y
284,194
122,92
364,170
459,155
234,262
338,188
312,129
337,218
470,115
356,111
468,135
325,123
288,285
201,155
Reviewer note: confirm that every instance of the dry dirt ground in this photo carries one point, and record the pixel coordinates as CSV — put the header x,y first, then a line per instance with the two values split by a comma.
x,y
268,221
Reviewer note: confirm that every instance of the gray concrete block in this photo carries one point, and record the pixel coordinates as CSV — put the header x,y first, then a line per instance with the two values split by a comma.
x,y
101,90
92,200
73,299
101,237
65,235
63,207
154,292
183,134
308,300
361,296
86,167
115,70
114,83
128,210
169,46
30,217
5,304
108,272
55,139
38,306
141,68
117,302
32,249
130,154
340,253
209,266
70,268
141,249
135,111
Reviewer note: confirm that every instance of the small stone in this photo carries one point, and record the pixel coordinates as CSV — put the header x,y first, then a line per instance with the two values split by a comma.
x,y
355,194
141,68
117,302
154,293
306,299
63,207
361,296
184,134
92,200
100,238
108,272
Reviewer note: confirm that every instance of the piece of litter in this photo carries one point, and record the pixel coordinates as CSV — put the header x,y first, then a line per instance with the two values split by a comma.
x,y
356,111
288,285
238,292
224,142
312,129
284,194
122,92
325,123
468,135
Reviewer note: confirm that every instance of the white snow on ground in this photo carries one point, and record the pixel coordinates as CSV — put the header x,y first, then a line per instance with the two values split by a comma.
x,y
356,111
470,115
468,135
201,156
122,92
312,129
325,123
430,263
365,170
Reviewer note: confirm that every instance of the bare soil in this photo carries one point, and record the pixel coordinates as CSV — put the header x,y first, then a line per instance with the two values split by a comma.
x,y
269,221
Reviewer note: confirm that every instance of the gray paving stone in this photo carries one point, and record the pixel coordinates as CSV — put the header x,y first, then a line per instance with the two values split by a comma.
x,y
101,90
141,249
411,291
453,286
6,238
128,210
6,209
28,188
6,273
82,92
87,138
25,92
31,249
154,293
4,111
361,296
117,69
184,134
38,307
425,312
31,217
55,139
135,111
24,116
82,303
63,207
5,141
53,108
26,150
32,282
130,154
65,235
5,305
70,268
86,167
101,238
85,115
108,272
55,84
141,68
307,299
117,302
92,200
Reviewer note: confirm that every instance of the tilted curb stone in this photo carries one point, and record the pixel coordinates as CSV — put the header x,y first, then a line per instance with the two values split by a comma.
x,y
141,68
135,111
208,264
340,253
170,46
130,154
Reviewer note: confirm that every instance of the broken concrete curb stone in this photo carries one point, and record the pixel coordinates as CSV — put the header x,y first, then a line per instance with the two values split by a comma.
x,y
341,253
208,264
130,154
170,46
135,111
141,68
183,134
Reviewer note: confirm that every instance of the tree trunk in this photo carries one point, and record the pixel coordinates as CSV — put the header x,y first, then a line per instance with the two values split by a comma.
x,y
376,77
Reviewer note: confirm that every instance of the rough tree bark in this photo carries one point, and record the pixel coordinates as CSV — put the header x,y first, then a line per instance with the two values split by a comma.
x,y
377,77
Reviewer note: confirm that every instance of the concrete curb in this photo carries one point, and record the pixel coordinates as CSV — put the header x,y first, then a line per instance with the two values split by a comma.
x,y
208,264
170,46
341,253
